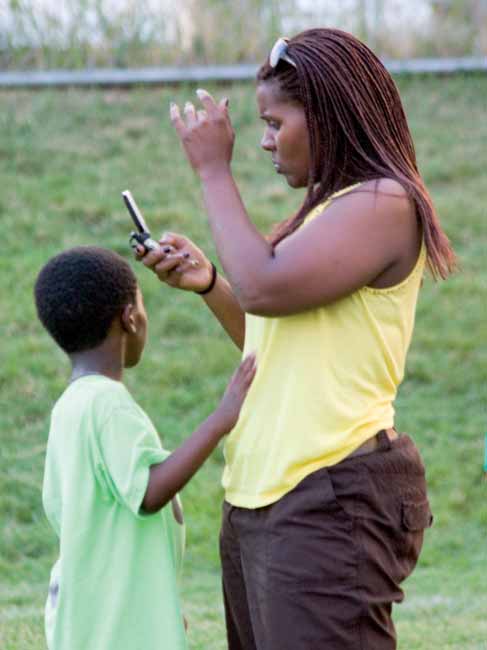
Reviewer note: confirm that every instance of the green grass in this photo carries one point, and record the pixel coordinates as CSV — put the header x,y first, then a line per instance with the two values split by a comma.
x,y
64,159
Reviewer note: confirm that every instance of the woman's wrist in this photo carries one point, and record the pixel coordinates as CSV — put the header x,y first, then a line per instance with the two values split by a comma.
x,y
214,275
214,171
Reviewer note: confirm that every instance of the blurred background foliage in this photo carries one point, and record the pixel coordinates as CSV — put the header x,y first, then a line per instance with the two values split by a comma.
x,y
44,34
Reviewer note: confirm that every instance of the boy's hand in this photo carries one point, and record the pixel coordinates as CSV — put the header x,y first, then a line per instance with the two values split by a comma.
x,y
167,478
234,396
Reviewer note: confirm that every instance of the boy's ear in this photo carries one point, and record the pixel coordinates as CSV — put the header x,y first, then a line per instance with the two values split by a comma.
x,y
127,319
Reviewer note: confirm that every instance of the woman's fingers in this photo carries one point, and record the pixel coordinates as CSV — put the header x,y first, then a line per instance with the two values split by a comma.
x,y
223,105
190,115
139,252
212,109
153,257
182,244
173,254
172,239
208,102
170,263
176,119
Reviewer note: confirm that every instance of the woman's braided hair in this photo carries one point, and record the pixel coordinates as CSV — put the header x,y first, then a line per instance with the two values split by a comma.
x,y
357,128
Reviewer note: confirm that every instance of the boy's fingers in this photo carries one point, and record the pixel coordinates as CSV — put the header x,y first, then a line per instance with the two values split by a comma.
x,y
247,369
248,363
251,372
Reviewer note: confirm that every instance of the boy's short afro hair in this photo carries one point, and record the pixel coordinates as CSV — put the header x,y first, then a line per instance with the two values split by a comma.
x,y
79,292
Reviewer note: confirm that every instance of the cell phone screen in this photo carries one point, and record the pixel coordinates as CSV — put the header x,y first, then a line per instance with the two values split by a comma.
x,y
134,211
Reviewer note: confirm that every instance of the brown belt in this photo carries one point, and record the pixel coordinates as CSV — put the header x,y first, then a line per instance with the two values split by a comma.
x,y
372,444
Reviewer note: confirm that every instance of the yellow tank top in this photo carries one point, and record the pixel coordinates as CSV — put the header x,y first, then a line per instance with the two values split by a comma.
x,y
326,382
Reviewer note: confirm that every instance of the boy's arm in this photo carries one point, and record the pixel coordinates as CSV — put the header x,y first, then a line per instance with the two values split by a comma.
x,y
168,477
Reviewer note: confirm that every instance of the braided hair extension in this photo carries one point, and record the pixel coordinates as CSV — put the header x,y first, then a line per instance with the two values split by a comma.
x,y
357,128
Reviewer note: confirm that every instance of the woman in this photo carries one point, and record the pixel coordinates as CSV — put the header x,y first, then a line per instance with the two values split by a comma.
x,y
325,504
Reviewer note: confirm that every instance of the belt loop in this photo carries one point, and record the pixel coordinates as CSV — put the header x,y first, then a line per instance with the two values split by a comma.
x,y
384,440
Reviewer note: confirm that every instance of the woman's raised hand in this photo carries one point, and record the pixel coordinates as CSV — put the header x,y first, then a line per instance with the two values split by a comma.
x,y
206,134
178,262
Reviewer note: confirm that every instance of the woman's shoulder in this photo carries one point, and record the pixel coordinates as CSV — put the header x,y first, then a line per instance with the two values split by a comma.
x,y
379,188
378,200
384,198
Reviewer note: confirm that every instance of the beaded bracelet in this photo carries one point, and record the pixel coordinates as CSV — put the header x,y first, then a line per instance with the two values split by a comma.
x,y
212,281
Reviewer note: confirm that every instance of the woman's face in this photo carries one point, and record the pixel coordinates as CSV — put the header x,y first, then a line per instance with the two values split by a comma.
x,y
285,135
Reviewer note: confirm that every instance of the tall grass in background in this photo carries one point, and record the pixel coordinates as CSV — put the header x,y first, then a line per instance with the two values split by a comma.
x,y
128,33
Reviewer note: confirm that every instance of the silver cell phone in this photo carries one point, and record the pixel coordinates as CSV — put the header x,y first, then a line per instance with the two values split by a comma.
x,y
142,235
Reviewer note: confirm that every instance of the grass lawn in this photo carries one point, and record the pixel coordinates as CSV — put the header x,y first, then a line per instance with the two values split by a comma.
x,y
65,156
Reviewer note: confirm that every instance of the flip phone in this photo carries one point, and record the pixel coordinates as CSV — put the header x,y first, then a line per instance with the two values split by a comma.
x,y
142,235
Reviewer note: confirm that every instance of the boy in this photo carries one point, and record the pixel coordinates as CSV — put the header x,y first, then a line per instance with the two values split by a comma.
x,y
108,482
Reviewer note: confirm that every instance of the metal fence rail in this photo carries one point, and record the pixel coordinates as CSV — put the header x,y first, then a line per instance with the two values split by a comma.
x,y
218,73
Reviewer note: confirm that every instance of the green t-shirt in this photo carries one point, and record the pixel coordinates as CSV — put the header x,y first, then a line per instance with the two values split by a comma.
x,y
114,586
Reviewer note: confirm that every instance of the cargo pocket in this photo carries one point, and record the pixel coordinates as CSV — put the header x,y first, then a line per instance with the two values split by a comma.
x,y
415,518
416,515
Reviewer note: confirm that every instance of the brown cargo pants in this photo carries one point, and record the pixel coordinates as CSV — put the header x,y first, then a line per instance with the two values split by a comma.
x,y
320,568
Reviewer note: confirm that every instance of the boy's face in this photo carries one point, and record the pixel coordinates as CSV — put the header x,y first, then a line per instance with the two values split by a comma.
x,y
136,339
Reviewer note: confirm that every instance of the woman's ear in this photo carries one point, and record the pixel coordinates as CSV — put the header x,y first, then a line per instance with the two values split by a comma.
x,y
127,319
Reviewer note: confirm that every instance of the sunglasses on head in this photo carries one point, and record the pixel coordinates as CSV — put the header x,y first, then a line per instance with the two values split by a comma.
x,y
279,52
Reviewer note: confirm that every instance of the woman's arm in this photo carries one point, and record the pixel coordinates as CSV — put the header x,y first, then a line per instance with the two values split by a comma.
x,y
362,236
225,307
182,265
